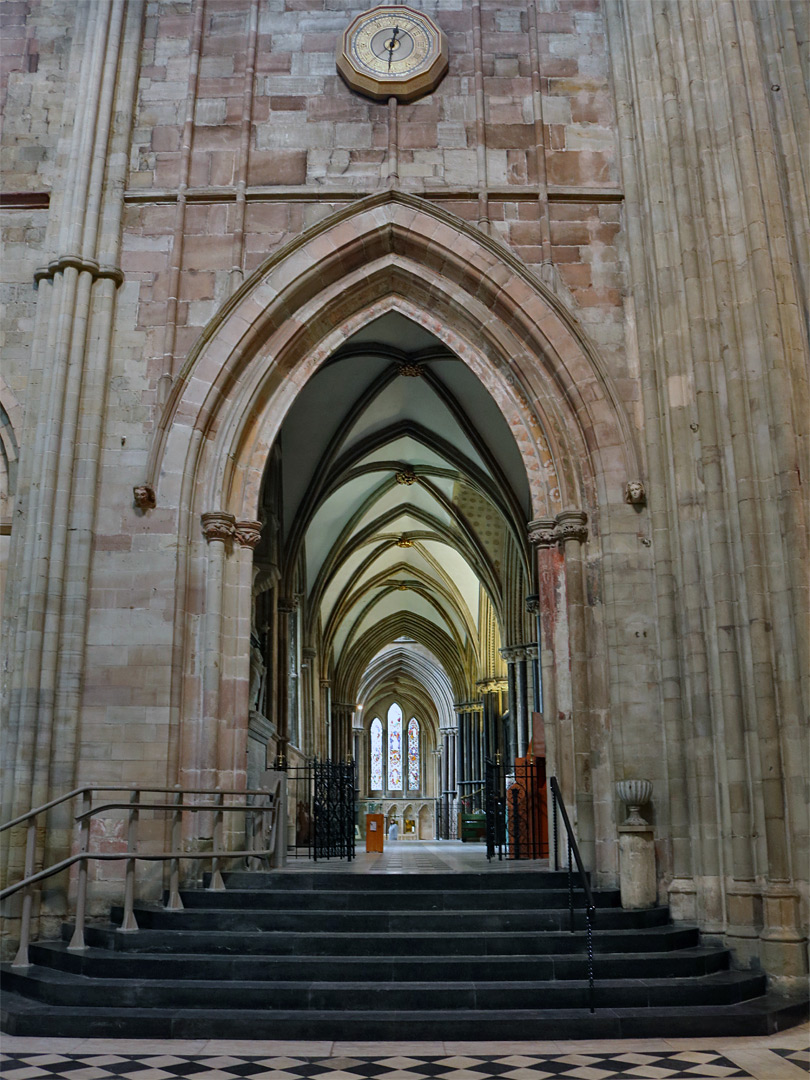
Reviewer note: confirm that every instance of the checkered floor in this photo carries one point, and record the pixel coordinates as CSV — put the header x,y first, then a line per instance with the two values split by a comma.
x,y
694,1065
799,1057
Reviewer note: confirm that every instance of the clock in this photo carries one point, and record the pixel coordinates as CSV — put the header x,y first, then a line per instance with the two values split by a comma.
x,y
392,51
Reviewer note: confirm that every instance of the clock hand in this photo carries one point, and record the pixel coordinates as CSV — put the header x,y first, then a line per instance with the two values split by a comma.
x,y
392,45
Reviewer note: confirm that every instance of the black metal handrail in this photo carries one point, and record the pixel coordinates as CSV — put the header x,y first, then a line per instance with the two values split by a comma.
x,y
573,848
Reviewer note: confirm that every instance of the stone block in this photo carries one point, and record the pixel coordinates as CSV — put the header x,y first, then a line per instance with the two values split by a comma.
x,y
637,873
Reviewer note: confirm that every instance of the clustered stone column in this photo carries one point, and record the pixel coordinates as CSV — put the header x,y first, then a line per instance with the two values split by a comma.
x,y
517,657
469,755
342,716
721,83
215,741
447,778
51,545
558,542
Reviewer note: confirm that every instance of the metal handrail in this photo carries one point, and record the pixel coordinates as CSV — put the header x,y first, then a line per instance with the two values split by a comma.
x,y
123,787
573,848
270,803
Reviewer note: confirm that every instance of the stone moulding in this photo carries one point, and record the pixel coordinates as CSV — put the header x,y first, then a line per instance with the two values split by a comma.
x,y
98,271
484,259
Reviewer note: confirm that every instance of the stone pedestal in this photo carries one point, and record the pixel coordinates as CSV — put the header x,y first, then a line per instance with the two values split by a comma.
x,y
784,946
637,880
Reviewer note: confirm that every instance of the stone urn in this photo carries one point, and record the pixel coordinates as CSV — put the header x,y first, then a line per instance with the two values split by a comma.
x,y
634,794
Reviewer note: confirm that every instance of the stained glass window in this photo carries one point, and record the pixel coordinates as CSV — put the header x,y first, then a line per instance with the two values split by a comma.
x,y
395,748
376,755
413,754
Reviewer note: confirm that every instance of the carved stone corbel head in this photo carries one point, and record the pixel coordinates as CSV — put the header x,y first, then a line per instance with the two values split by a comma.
x,y
145,498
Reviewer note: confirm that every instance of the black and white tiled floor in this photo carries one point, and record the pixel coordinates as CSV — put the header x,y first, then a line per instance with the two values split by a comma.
x,y
780,1057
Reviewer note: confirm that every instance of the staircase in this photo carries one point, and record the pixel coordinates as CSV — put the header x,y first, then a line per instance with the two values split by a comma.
x,y
327,955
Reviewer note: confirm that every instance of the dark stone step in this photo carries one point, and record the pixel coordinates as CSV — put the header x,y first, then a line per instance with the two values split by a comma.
x,y
283,943
374,900
101,963
760,1016
490,879
64,988
215,920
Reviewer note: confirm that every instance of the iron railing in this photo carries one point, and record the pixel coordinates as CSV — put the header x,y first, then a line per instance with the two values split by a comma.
x,y
323,795
517,814
559,812
264,812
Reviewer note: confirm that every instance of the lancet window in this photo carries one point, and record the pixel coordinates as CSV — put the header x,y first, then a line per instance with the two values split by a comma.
x,y
413,754
395,748
376,754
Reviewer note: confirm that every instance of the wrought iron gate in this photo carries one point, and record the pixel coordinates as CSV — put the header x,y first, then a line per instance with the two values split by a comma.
x,y
323,795
516,809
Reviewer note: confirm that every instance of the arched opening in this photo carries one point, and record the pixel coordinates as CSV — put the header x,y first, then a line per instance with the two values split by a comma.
x,y
218,458
390,580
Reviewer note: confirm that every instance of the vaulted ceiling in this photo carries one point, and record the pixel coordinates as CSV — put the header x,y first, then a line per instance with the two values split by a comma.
x,y
403,496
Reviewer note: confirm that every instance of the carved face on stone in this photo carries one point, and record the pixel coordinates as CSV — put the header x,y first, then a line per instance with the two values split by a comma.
x,y
634,493
144,495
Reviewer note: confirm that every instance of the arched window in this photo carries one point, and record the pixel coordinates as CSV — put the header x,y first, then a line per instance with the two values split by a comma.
x,y
413,754
376,754
395,748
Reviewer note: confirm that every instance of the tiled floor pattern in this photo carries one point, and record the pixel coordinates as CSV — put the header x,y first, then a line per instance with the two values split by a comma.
x,y
780,1057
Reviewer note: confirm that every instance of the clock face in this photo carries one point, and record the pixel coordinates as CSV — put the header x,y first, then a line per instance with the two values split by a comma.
x,y
392,52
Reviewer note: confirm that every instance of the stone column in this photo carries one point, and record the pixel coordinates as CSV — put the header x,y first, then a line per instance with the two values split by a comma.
x,y
568,531
308,658
522,699
510,656
234,728
51,545
718,83
323,745
202,769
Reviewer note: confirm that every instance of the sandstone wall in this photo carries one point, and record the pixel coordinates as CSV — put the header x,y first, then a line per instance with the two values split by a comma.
x,y
637,160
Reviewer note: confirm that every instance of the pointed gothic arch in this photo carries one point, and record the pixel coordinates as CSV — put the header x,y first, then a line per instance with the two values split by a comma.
x,y
388,253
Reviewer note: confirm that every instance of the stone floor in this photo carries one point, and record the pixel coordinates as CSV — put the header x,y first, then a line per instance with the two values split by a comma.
x,y
778,1057
418,857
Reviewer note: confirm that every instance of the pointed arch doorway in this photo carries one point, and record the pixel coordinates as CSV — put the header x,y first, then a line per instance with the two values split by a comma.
x,y
390,579
218,437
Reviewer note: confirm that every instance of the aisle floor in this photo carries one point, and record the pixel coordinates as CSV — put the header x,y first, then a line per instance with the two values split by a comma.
x,y
777,1057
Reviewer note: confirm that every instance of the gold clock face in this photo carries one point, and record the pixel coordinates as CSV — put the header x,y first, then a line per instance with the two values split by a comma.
x,y
392,52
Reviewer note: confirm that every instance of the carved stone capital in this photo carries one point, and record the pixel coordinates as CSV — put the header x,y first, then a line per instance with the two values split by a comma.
x,y
568,525
572,525
248,533
543,532
217,525
82,265
144,495
492,686
514,653
533,604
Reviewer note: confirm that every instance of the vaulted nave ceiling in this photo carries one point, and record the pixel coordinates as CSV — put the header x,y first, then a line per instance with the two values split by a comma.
x,y
403,496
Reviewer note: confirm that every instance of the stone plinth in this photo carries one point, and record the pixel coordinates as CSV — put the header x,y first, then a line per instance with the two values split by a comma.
x,y
637,880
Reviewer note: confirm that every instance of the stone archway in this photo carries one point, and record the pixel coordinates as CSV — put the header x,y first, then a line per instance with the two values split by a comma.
x,y
391,252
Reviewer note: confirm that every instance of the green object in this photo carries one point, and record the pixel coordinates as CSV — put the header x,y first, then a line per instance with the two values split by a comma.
x,y
472,826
